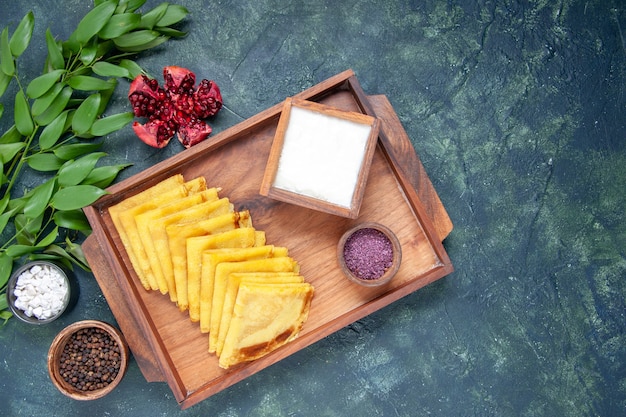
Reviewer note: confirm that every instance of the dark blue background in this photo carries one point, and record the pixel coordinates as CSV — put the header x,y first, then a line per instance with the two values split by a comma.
x,y
516,108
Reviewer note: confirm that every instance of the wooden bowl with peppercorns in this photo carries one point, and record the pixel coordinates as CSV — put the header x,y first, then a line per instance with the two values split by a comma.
x,y
87,359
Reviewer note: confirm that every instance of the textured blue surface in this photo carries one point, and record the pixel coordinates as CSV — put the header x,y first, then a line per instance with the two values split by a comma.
x,y
517,110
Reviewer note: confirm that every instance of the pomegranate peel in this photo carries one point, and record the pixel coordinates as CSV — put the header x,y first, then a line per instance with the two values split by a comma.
x,y
178,108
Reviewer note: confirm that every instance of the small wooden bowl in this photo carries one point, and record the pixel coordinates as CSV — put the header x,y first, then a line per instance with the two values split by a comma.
x,y
389,272
320,157
56,350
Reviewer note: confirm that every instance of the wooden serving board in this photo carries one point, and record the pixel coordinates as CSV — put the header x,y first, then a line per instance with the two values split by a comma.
x,y
169,347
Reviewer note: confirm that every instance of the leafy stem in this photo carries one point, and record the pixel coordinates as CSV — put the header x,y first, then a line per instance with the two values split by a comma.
x,y
18,163
58,120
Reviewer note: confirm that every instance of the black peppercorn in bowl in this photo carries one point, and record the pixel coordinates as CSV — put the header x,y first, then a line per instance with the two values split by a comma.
x,y
369,254
87,359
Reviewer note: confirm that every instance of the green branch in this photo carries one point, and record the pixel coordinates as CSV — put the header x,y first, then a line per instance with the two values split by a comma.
x,y
56,119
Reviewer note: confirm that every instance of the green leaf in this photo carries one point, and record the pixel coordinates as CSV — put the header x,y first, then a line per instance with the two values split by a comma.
x,y
111,123
76,197
15,251
3,299
4,220
49,238
71,219
5,315
133,68
120,8
27,229
87,83
55,57
103,176
88,54
5,80
23,119
11,136
119,24
93,22
146,46
173,15
105,98
52,133
6,265
106,69
134,5
16,205
42,103
7,64
9,150
4,202
39,198
21,37
74,172
172,33
132,40
74,254
42,84
55,108
76,251
86,114
74,150
56,251
105,48
44,162
42,256
150,19
70,47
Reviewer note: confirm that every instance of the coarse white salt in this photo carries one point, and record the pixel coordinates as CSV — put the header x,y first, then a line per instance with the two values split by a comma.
x,y
321,156
41,292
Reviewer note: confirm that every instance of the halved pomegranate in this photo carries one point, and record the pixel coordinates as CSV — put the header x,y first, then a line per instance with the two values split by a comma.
x,y
178,107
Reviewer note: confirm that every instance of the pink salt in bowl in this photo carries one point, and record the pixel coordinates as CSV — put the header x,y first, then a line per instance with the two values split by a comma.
x,y
369,254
